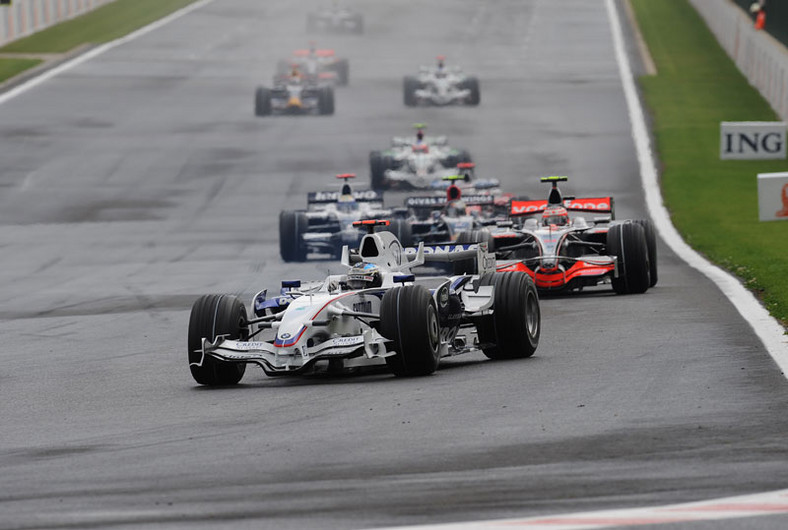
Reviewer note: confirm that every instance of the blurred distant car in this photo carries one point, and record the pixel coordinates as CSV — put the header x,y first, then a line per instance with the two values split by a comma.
x,y
294,94
440,86
335,19
319,65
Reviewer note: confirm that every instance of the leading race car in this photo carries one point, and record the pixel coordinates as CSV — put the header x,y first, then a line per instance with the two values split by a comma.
x,y
564,253
335,19
375,312
440,86
415,162
319,65
327,223
294,93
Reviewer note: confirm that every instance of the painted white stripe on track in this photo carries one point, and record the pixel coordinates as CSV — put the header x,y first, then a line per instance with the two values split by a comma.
x,y
767,328
772,503
95,52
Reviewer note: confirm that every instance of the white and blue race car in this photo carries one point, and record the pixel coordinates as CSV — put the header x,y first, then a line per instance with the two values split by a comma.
x,y
375,313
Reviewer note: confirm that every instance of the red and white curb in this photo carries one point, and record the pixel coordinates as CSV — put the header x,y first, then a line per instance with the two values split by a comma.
x,y
771,503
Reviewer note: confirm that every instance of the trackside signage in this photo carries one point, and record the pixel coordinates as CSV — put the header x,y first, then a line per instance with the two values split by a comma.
x,y
773,196
750,140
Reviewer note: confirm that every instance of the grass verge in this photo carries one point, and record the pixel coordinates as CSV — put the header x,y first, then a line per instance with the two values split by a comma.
x,y
713,203
104,24
11,67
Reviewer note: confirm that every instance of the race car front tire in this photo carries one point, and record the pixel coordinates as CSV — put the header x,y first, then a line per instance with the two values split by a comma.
x,y
472,84
325,100
513,330
469,266
262,102
409,86
342,68
627,242
409,318
214,315
651,244
376,171
292,226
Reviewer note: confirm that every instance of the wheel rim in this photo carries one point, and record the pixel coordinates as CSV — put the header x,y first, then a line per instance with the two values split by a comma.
x,y
433,331
531,314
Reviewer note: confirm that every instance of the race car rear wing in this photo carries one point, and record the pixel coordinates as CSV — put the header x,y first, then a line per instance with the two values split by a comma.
x,y
326,197
452,252
433,202
593,204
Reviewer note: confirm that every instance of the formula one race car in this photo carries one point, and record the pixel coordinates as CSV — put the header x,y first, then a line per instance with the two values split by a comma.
x,y
294,94
328,222
335,19
441,219
376,312
440,86
320,66
415,162
565,253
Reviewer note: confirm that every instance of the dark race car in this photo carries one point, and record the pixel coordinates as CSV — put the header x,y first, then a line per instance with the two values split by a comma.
x,y
294,93
327,223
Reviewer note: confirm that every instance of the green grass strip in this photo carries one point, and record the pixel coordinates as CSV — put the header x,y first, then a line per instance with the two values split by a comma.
x,y
103,24
11,67
713,203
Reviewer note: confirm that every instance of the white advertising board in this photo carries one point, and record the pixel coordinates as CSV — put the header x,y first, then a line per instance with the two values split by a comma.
x,y
773,196
749,140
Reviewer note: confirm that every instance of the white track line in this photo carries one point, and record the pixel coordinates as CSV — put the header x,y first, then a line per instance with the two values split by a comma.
x,y
766,327
95,52
773,503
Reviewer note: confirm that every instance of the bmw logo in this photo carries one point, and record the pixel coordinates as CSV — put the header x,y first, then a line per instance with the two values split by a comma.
x,y
284,336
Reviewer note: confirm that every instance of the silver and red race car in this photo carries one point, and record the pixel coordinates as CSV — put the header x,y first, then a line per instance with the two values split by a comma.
x,y
319,65
563,251
376,312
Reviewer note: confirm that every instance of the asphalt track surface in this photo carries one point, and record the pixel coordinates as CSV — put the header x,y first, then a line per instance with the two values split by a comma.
x,y
140,179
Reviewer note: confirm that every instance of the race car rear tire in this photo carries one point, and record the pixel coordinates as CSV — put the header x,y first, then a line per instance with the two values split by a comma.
x,y
469,266
214,315
409,86
292,226
262,102
472,84
402,230
651,244
513,330
325,100
376,171
342,68
627,242
409,318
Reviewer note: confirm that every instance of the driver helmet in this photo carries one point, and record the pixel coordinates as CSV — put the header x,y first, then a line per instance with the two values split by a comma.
x,y
441,60
419,136
555,215
364,276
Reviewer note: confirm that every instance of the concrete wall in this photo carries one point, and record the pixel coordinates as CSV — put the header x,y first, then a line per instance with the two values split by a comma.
x,y
28,16
761,57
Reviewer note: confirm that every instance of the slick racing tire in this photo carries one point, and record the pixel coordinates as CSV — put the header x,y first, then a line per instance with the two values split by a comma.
x,y
214,315
651,245
409,86
325,100
513,330
627,241
292,226
469,266
472,84
262,102
342,68
376,171
409,318
402,230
